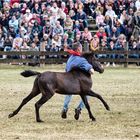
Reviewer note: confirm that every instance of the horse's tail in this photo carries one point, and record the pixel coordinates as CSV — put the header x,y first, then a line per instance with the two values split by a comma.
x,y
28,73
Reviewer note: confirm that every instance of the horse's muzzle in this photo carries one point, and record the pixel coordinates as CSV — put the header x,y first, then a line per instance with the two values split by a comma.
x,y
102,69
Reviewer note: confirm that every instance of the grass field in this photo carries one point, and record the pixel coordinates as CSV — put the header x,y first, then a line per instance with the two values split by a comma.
x,y
119,87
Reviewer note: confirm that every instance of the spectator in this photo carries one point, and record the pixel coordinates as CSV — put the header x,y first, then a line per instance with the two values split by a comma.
x,y
61,15
110,12
101,33
123,16
23,8
54,48
6,7
134,47
22,31
36,9
49,11
1,41
8,43
11,31
131,40
137,4
34,19
36,40
136,21
27,40
66,43
28,15
71,6
119,26
112,56
82,18
47,29
76,27
37,29
70,35
120,45
64,8
94,44
47,41
108,25
15,8
17,43
72,14
98,8
12,2
14,22
4,20
53,20
54,8
79,5
43,8
128,26
93,6
114,34
34,47
68,23
56,42
58,30
86,35
99,19
131,12
24,47
87,8
132,5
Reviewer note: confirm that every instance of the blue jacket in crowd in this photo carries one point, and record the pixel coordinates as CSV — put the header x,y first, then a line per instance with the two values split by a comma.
x,y
77,62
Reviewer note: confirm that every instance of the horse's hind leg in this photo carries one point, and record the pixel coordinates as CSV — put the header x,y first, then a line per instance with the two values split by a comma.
x,y
35,91
87,107
47,93
93,94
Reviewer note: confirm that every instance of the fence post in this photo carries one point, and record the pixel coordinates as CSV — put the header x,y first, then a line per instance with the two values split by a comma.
x,y
86,46
42,56
126,55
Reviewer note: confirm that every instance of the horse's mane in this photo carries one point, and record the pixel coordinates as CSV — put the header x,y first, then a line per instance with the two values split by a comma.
x,y
87,54
78,70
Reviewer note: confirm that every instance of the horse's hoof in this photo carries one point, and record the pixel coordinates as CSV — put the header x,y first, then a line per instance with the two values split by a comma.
x,y
40,121
10,115
108,108
93,119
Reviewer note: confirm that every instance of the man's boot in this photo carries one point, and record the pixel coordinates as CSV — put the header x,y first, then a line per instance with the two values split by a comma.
x,y
77,113
64,113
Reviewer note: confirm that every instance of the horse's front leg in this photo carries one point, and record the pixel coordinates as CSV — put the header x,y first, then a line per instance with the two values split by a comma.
x,y
93,94
87,107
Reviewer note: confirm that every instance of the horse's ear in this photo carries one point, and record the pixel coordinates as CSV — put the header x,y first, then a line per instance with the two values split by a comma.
x,y
87,54
90,54
95,57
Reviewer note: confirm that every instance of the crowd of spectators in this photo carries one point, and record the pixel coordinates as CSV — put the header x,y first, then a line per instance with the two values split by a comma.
x,y
53,25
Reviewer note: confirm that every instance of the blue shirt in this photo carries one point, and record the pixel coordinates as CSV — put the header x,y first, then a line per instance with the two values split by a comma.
x,y
77,62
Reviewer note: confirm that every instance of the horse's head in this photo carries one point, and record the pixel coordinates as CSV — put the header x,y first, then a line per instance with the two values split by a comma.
x,y
97,66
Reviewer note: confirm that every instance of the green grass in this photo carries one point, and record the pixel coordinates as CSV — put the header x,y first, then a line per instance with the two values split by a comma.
x,y
120,87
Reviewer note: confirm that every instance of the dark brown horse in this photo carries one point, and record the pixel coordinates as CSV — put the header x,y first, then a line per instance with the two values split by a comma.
x,y
75,82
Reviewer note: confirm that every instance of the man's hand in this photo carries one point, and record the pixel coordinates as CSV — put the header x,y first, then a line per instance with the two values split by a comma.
x,y
91,71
